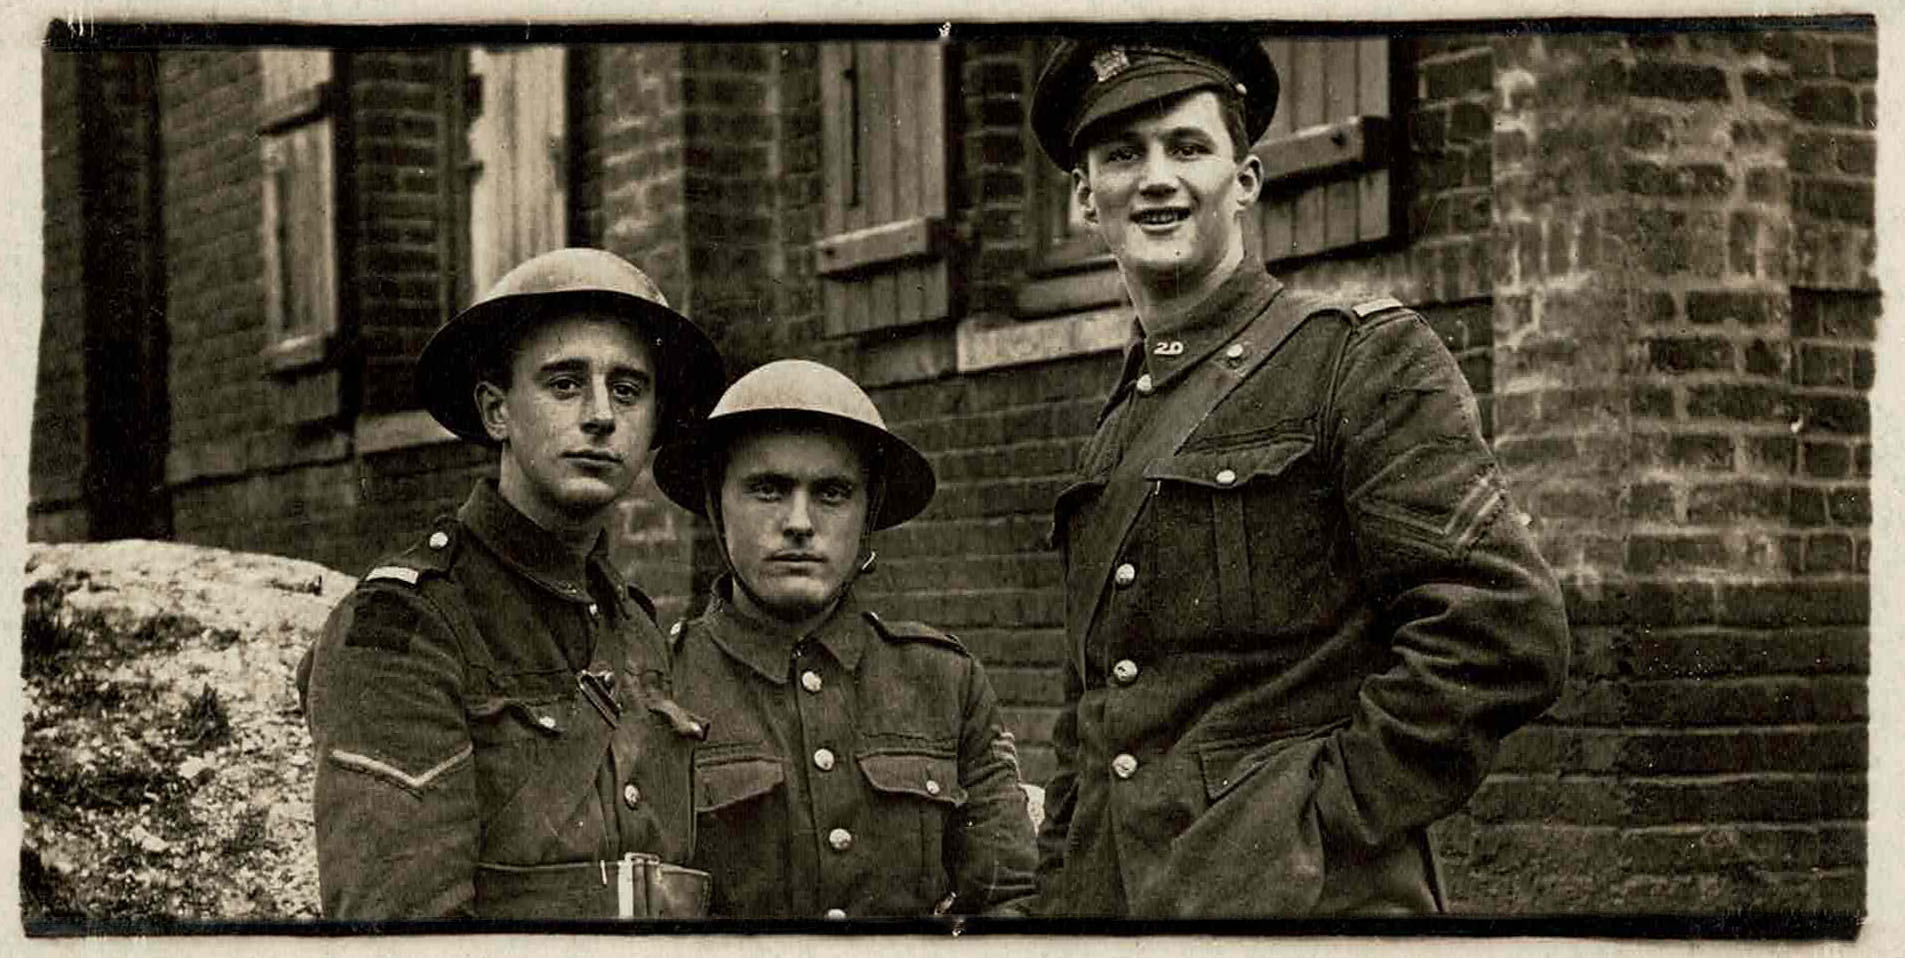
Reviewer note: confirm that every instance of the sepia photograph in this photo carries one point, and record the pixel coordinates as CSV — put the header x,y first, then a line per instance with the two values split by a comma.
x,y
1240,477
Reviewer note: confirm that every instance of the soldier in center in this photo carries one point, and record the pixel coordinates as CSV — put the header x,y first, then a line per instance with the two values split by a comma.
x,y
855,766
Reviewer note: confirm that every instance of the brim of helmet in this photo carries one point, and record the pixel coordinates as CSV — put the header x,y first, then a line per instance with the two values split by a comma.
x,y
908,476
690,375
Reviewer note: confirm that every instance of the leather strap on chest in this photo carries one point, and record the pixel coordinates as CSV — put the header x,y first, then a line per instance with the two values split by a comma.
x,y
1110,520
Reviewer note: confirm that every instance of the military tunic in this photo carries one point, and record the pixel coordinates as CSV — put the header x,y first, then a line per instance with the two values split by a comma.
x,y
495,736
1309,641
862,770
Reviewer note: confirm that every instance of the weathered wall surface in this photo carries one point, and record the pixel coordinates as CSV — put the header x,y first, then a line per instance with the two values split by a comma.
x,y
1653,405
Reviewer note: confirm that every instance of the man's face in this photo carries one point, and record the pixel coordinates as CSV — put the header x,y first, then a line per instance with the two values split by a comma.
x,y
1163,187
577,417
793,506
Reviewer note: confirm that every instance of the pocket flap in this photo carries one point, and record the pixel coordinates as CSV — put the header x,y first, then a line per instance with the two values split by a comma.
x,y
1226,762
930,776
502,721
1070,498
727,780
1229,468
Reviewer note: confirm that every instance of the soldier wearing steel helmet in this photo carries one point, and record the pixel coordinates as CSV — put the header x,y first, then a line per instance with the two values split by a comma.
x,y
856,766
491,712
1301,612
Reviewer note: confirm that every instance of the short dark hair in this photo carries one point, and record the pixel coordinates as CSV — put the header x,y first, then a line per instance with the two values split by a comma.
x,y
1229,104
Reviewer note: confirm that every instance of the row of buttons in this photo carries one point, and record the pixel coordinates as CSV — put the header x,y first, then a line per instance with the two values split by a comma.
x,y
839,839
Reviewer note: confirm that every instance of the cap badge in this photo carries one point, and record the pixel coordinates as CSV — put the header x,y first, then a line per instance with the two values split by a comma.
x,y
1109,62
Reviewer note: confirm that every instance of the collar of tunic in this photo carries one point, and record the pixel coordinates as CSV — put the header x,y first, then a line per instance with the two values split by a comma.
x,y
767,646
533,551
1170,349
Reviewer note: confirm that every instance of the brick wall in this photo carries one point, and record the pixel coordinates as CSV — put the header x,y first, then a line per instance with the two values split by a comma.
x,y
209,103
998,170
1711,745
631,197
394,229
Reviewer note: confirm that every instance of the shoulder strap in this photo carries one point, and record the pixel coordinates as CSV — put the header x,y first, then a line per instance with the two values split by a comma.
x,y
1123,497
913,632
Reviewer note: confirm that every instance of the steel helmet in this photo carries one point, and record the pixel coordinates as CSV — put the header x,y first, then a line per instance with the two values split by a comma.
x,y
688,368
793,392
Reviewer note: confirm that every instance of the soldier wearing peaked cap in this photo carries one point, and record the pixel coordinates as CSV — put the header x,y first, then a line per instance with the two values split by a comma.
x,y
1301,611
491,711
855,766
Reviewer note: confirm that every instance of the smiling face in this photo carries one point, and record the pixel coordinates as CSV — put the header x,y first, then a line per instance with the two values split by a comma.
x,y
793,508
575,421
1164,187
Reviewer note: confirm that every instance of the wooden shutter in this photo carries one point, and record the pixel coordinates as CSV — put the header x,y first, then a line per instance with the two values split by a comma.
x,y
518,204
882,257
297,142
1326,177
300,233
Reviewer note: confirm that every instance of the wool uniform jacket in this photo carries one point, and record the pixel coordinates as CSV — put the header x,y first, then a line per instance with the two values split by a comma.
x,y
495,735
861,770
1300,622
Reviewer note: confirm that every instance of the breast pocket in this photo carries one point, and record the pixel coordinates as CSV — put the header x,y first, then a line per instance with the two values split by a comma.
x,y
1244,534
515,740
741,829
726,780
916,795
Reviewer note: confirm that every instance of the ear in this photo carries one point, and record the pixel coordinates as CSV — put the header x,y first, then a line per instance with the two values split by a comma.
x,y
1081,190
495,412
1249,180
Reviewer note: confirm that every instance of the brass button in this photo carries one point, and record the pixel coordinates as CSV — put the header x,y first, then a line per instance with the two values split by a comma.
x,y
1125,672
1236,351
631,796
1144,385
1125,575
594,609
547,721
840,839
810,680
1124,766
674,630
836,913
439,539
1226,476
823,760
932,787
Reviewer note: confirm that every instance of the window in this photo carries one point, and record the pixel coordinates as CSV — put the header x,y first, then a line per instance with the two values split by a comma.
x,y
297,141
1325,157
518,159
881,257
